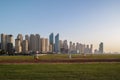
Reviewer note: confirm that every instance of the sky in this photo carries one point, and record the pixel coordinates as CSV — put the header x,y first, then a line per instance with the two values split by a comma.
x,y
84,21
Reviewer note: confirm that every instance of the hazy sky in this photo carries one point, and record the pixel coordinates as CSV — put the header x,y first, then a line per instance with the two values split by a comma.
x,y
85,21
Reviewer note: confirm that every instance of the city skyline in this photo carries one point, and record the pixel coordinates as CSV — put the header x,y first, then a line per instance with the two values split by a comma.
x,y
85,21
35,43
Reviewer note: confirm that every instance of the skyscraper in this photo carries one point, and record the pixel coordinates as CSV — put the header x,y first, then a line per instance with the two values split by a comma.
x,y
101,47
3,42
25,46
0,46
77,47
37,39
51,41
50,48
42,45
5,39
87,50
74,48
57,44
32,43
9,44
9,39
70,47
18,46
81,48
91,48
65,46
10,48
61,45
46,45
28,39
20,37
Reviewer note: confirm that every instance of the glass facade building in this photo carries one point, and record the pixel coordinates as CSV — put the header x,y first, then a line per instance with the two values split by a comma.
x,y
57,45
51,41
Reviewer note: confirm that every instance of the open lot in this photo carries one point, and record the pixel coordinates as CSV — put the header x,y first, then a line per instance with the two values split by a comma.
x,y
91,71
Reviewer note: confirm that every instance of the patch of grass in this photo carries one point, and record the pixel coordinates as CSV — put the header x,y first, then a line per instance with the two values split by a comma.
x,y
14,58
79,56
61,57
95,71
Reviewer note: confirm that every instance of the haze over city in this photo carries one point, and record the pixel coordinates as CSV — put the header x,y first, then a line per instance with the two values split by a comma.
x,y
85,21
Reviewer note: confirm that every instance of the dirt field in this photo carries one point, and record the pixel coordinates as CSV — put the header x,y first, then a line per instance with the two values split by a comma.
x,y
61,61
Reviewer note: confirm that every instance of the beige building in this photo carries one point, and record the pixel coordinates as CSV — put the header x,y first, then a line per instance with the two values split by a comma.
x,y
19,36
9,39
18,46
25,46
50,48
5,39
46,45
42,45
61,43
28,39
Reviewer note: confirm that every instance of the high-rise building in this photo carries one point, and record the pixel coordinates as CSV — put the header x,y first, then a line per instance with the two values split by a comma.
x,y
0,46
50,48
70,47
42,45
77,48
25,46
57,44
28,39
38,43
32,43
5,39
46,45
9,43
51,41
9,39
20,37
87,49
10,48
74,48
81,48
18,46
61,45
91,48
65,46
101,47
3,42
